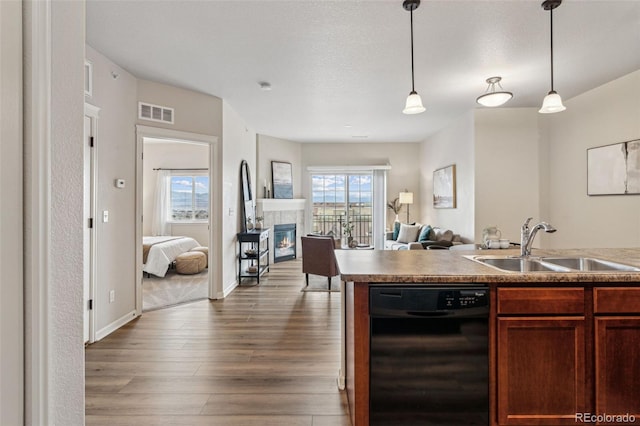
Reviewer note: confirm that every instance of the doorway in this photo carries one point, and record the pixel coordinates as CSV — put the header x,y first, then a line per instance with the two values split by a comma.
x,y
175,189
175,203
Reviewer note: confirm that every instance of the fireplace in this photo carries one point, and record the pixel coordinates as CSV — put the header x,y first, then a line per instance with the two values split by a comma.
x,y
284,242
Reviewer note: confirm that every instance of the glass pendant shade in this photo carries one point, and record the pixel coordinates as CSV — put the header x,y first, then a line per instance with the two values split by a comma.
x,y
414,104
552,103
493,98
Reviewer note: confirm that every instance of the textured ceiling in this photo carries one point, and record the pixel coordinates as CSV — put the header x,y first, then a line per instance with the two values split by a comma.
x,y
340,71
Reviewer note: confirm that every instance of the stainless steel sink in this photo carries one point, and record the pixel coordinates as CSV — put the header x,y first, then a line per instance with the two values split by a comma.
x,y
588,264
551,264
518,264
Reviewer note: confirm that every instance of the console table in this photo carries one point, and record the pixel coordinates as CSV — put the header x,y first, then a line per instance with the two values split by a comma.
x,y
253,256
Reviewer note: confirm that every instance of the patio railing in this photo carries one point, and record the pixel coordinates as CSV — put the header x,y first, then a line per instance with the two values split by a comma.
x,y
333,224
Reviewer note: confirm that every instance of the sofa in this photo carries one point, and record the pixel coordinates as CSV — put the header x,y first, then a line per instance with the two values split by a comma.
x,y
418,236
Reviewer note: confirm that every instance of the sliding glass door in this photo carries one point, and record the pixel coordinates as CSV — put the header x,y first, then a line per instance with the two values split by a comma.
x,y
340,201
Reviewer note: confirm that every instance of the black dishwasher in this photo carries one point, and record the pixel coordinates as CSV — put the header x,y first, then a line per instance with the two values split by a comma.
x,y
429,355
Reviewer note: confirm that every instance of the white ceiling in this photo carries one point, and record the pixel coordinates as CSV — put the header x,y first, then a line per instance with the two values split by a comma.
x,y
340,69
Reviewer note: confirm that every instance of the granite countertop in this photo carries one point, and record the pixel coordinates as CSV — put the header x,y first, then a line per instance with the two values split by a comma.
x,y
450,266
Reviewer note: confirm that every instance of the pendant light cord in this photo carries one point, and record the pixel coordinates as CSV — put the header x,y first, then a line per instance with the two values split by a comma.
x,y
551,20
413,89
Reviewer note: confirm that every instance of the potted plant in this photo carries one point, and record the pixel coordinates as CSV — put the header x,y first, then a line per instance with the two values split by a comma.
x,y
395,206
347,229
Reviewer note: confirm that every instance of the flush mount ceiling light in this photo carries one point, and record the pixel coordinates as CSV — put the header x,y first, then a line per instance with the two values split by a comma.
x,y
493,97
414,102
552,102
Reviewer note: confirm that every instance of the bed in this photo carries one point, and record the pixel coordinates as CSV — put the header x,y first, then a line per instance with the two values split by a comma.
x,y
159,252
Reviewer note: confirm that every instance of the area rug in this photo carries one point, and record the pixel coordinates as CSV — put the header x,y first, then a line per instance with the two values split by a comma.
x,y
318,283
173,289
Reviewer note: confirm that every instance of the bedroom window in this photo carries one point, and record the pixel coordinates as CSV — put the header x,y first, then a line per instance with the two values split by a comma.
x,y
189,198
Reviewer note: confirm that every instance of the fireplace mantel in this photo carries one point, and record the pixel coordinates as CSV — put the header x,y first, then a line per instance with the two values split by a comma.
x,y
280,204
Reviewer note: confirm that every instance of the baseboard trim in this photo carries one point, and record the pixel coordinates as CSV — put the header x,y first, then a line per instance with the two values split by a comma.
x,y
227,290
104,332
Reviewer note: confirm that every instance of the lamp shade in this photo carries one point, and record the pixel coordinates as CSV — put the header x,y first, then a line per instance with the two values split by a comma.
x,y
406,198
414,104
552,103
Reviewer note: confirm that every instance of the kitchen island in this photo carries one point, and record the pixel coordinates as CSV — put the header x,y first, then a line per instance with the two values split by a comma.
x,y
578,330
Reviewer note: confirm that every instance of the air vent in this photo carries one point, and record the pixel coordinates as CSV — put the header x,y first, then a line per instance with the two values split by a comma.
x,y
155,113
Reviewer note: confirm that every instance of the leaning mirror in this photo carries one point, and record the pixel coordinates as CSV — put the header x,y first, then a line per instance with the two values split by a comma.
x,y
247,198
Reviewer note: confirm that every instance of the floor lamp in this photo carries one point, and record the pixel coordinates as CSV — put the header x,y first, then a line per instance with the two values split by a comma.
x,y
406,197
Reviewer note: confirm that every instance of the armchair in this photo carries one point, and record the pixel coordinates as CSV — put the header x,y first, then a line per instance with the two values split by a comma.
x,y
318,257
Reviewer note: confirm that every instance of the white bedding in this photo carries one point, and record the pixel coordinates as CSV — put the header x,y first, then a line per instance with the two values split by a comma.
x,y
164,251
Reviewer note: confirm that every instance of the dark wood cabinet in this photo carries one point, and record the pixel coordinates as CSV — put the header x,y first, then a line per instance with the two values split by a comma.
x,y
541,370
541,361
617,351
562,352
617,365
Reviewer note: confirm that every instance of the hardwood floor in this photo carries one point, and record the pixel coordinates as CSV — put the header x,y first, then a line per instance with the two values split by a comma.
x,y
265,355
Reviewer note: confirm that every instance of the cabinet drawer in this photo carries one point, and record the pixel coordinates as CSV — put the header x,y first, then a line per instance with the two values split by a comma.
x,y
616,300
557,300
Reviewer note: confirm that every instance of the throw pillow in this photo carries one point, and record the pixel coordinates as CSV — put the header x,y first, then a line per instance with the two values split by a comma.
x,y
408,233
447,235
396,230
424,233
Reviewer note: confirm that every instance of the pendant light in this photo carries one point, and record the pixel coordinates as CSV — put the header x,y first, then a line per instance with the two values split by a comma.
x,y
552,102
414,102
492,97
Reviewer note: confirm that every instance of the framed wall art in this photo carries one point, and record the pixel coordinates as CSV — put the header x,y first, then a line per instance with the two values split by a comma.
x,y
282,179
444,188
614,169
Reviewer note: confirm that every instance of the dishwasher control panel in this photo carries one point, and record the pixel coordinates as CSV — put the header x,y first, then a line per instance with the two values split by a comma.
x,y
461,299
426,301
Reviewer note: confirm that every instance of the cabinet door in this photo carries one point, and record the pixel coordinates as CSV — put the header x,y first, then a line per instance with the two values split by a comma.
x,y
541,370
617,362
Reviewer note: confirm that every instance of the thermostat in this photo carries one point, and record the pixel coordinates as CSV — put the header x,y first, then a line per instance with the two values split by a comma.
x,y
119,183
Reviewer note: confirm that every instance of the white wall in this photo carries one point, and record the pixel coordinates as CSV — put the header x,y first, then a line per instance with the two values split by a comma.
x,y
452,145
403,158
602,116
507,170
172,155
194,112
54,350
273,149
66,368
11,223
116,154
238,143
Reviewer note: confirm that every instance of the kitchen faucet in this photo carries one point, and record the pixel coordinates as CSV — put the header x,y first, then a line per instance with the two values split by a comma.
x,y
527,235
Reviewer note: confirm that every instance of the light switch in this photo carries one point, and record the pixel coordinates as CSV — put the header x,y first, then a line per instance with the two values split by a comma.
x,y
105,216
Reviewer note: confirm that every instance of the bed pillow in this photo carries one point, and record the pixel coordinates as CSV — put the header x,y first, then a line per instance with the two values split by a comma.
x,y
424,233
408,233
